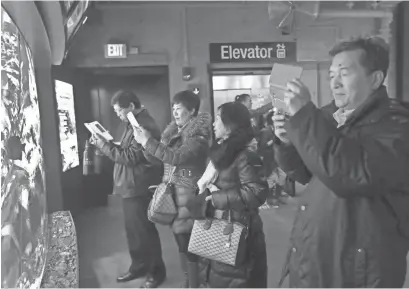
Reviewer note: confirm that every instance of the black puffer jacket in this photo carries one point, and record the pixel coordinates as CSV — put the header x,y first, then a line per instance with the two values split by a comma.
x,y
242,191
352,227
187,150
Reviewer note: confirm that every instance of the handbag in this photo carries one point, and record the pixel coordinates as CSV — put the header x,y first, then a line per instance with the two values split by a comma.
x,y
219,240
162,208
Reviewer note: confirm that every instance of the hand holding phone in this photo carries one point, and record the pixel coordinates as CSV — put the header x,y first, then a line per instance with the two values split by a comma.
x,y
132,119
281,75
279,120
297,96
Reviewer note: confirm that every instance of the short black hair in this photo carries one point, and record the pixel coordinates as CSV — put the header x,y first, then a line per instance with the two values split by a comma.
x,y
235,115
241,97
124,98
188,99
375,56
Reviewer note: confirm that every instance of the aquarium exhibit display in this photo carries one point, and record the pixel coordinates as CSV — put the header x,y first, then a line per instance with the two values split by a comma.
x,y
24,233
68,134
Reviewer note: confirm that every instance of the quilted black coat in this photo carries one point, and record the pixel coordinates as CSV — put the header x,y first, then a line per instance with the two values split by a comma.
x,y
242,191
352,226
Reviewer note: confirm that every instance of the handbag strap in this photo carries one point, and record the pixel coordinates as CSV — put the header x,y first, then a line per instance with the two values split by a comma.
x,y
228,230
171,175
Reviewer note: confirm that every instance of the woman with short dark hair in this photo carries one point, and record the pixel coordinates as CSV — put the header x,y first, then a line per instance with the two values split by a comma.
x,y
184,147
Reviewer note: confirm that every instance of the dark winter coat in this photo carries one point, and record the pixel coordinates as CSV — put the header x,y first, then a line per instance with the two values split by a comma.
x,y
352,226
133,173
266,151
242,192
188,151
257,119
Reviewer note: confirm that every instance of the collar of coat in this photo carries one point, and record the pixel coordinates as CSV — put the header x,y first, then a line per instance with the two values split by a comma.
x,y
199,125
363,112
223,154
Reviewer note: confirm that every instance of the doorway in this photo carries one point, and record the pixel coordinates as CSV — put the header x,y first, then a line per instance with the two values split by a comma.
x,y
95,90
226,83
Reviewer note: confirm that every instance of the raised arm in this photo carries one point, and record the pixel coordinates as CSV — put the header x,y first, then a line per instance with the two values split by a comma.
x,y
374,162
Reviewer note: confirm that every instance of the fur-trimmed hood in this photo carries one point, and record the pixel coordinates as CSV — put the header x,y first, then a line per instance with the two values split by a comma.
x,y
199,125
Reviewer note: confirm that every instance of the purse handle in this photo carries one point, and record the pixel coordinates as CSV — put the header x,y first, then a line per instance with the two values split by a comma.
x,y
171,176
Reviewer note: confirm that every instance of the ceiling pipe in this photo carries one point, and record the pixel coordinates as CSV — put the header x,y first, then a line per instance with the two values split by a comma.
x,y
185,37
355,14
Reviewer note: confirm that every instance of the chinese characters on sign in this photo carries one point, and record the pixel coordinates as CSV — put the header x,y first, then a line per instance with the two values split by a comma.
x,y
280,51
253,52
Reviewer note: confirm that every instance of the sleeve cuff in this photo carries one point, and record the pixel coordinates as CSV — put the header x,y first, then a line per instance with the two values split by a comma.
x,y
220,200
150,145
298,120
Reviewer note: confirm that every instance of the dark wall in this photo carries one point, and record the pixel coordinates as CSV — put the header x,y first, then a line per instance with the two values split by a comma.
x,y
152,90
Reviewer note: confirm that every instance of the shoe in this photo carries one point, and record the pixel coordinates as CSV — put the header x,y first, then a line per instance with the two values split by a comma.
x,y
131,276
153,281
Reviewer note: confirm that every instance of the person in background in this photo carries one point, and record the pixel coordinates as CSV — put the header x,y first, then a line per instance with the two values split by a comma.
x,y
352,227
257,120
184,146
133,174
234,173
271,171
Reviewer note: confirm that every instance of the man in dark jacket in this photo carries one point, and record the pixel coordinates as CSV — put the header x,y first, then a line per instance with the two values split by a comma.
x,y
133,175
352,227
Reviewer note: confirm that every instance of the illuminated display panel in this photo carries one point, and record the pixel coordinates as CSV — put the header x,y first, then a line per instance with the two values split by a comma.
x,y
24,216
67,126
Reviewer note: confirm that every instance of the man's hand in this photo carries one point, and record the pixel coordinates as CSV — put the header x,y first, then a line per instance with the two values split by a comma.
x,y
97,140
141,135
297,96
279,120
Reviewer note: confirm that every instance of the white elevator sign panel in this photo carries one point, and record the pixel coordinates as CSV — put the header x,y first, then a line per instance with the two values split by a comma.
x,y
115,50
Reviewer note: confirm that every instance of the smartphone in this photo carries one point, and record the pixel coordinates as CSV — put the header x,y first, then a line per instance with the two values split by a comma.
x,y
280,75
132,119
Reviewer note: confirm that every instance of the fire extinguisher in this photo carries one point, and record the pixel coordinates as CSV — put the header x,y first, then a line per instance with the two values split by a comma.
x,y
88,160
98,161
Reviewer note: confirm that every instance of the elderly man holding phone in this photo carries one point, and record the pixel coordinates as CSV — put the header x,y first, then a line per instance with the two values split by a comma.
x,y
352,226
133,175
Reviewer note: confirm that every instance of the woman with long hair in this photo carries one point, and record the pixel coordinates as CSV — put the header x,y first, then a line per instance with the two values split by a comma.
x,y
234,174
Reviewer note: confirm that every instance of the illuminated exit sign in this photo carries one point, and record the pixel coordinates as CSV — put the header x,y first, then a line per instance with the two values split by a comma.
x,y
115,50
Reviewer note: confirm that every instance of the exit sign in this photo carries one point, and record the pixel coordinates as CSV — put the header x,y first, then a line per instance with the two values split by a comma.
x,y
115,51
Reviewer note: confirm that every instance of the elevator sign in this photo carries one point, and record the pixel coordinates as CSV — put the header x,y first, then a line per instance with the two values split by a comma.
x,y
253,52
115,50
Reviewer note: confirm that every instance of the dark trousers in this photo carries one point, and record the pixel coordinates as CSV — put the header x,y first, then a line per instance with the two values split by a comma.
x,y
183,243
142,236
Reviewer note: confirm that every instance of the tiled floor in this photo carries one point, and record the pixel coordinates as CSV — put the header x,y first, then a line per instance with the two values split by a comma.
x,y
103,250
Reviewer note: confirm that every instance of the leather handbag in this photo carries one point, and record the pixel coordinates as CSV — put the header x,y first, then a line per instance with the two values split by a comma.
x,y
162,208
219,240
